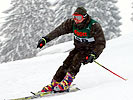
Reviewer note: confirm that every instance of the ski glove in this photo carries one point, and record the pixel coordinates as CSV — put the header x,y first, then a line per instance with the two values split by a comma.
x,y
41,42
89,59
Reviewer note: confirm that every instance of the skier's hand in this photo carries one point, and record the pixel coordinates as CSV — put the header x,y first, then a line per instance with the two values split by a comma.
x,y
89,59
41,43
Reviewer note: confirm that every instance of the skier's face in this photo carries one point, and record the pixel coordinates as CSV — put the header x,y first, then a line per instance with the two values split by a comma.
x,y
78,18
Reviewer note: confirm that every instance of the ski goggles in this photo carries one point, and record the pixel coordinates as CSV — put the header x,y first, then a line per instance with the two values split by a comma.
x,y
77,17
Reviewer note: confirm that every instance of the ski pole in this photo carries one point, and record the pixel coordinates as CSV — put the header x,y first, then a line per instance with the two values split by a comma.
x,y
110,70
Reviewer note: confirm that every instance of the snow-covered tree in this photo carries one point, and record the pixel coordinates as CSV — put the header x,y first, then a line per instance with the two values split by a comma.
x,y
132,13
28,20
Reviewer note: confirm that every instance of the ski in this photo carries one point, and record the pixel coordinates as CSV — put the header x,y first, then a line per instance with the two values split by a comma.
x,y
73,88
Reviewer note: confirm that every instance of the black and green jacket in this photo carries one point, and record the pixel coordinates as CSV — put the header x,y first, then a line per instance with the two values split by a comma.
x,y
87,35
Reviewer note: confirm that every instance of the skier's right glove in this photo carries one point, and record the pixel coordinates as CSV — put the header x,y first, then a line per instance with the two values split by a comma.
x,y
89,59
41,42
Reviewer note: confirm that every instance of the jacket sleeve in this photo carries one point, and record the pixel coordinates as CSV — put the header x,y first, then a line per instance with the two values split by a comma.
x,y
64,28
100,41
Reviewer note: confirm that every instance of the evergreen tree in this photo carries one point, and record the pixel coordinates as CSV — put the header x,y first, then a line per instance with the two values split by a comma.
x,y
28,20
132,13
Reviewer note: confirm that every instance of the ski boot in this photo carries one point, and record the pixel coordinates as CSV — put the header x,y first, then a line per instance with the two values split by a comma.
x,y
65,83
50,87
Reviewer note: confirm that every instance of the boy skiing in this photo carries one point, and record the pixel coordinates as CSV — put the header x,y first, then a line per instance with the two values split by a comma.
x,y
89,43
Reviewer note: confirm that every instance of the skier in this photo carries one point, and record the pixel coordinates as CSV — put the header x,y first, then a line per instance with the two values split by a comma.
x,y
89,43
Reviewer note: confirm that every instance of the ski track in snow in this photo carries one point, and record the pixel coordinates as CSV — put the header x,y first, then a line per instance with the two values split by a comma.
x,y
19,78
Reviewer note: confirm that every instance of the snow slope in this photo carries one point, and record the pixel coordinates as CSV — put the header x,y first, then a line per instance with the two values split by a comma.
x,y
19,78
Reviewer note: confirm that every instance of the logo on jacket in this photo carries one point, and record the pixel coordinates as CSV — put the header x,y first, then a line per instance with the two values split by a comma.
x,y
81,34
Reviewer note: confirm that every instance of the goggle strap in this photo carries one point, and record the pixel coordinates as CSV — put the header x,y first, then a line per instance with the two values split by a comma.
x,y
84,15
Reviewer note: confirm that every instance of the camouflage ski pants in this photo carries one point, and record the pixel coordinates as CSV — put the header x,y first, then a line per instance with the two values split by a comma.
x,y
71,64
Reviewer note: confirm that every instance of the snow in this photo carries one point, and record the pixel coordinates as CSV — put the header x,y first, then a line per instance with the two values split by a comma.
x,y
4,5
19,78
52,1
125,7
58,49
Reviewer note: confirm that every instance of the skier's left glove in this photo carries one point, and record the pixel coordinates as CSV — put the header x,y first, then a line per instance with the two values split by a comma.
x,y
89,59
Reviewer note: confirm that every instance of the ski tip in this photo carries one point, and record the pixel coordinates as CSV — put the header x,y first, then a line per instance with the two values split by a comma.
x,y
32,93
78,88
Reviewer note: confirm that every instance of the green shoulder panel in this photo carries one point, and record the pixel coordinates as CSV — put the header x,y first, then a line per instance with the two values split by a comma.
x,y
91,22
